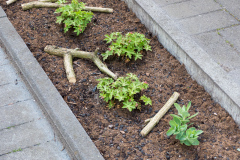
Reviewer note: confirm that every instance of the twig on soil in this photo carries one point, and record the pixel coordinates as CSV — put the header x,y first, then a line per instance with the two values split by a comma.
x,y
153,121
10,1
39,4
68,54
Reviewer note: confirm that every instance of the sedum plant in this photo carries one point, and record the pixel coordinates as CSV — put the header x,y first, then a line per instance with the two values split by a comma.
x,y
73,17
123,90
129,45
179,126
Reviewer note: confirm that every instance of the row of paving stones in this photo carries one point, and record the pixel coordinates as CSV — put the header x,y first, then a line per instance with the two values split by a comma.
x,y
35,121
24,131
205,36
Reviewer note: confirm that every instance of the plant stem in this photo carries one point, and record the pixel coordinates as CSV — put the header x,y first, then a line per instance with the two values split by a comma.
x,y
40,4
76,53
160,114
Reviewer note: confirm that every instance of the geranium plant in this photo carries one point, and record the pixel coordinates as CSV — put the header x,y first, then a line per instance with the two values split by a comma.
x,y
129,45
123,90
73,17
179,126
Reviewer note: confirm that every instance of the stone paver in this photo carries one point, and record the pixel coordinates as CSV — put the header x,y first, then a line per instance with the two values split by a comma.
x,y
25,135
166,2
232,7
44,151
19,113
12,93
207,22
232,35
219,50
191,8
3,57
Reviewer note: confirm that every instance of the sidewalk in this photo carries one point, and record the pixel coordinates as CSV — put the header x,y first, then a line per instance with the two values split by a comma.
x,y
35,122
204,35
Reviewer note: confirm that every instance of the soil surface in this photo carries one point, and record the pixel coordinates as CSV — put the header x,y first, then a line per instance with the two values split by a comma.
x,y
116,131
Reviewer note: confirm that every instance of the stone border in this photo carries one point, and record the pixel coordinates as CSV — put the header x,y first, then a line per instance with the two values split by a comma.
x,y
197,62
70,131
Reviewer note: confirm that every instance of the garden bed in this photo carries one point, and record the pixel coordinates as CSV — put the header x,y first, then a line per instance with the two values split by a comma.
x,y
116,132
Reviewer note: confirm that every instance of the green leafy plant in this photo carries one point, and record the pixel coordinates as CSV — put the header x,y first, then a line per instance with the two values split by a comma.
x,y
179,126
123,90
129,45
73,17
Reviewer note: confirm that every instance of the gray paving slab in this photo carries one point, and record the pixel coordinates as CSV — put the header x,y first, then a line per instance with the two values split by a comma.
x,y
2,13
235,74
3,57
232,6
9,75
191,8
207,22
44,151
12,93
232,35
25,135
19,113
221,51
166,2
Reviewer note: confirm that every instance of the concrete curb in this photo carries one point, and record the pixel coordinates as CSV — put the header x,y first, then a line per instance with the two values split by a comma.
x,y
71,133
197,62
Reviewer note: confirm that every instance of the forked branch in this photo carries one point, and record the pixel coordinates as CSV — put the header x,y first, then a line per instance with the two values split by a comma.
x,y
68,54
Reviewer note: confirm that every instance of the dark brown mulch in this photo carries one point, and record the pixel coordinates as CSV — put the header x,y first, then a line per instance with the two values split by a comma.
x,y
159,68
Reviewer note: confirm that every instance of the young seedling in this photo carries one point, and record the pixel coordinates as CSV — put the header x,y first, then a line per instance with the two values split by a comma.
x,y
179,126
123,90
128,46
73,16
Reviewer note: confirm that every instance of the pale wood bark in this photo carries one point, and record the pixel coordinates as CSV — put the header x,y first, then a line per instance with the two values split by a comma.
x,y
10,1
67,58
48,1
40,4
76,53
153,121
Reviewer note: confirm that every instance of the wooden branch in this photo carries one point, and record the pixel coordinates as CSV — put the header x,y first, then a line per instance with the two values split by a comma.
x,y
76,53
40,4
48,1
10,1
160,114
67,58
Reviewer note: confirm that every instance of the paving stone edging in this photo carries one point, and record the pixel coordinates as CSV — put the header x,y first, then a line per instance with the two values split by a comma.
x,y
197,62
67,127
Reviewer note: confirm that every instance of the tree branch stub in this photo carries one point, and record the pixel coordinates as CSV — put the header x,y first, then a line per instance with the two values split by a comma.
x,y
153,121
42,4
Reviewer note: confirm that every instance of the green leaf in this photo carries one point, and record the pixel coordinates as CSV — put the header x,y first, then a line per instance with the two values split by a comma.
x,y
146,100
193,116
193,141
170,131
129,105
189,105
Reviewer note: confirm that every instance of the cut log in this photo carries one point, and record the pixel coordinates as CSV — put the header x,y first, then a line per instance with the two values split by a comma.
x,y
153,121
40,4
76,53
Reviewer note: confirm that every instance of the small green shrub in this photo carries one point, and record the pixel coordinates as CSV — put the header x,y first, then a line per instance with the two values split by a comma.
x,y
73,17
129,45
123,90
179,126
